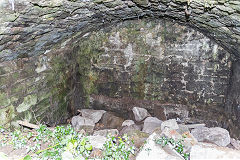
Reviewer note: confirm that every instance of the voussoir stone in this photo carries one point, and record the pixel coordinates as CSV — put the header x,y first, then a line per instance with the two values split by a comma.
x,y
95,115
84,123
140,113
216,135
150,124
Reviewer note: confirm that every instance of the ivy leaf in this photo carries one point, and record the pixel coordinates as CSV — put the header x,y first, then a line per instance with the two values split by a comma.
x,y
88,147
82,149
28,157
83,142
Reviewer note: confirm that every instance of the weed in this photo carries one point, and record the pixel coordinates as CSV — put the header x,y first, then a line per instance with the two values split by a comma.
x,y
178,146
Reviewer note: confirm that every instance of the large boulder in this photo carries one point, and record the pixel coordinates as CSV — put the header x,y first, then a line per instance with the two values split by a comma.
x,y
95,115
140,113
111,121
150,124
105,132
211,151
216,135
84,123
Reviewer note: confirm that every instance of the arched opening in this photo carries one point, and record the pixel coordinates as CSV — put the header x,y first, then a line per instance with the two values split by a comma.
x,y
52,60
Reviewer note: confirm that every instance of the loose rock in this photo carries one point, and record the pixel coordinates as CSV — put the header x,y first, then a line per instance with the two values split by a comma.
x,y
95,115
128,123
128,129
235,143
216,135
84,123
110,121
105,132
170,124
211,151
150,124
182,129
97,141
140,113
152,151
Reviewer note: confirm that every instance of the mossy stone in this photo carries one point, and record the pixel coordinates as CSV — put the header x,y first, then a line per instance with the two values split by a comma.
x,y
28,101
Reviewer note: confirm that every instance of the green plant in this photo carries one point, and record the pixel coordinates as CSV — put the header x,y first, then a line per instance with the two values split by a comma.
x,y
61,140
17,140
65,143
178,146
118,148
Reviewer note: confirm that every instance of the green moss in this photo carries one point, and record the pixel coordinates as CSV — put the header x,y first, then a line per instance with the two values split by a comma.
x,y
7,114
88,52
139,78
28,101
4,99
132,34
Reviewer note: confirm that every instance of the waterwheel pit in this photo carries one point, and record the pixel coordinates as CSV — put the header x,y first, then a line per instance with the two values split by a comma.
x,y
59,56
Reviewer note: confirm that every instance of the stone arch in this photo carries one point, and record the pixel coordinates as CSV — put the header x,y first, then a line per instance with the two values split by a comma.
x,y
32,29
40,24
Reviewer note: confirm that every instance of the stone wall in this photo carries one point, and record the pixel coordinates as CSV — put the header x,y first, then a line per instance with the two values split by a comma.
x,y
164,61
55,28
154,60
34,89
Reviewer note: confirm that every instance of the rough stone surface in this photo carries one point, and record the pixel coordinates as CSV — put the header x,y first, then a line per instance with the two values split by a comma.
x,y
232,106
128,129
97,141
84,123
153,151
150,124
177,111
170,133
138,137
128,123
170,124
105,132
140,113
154,60
235,143
211,151
182,129
95,115
216,135
38,24
110,121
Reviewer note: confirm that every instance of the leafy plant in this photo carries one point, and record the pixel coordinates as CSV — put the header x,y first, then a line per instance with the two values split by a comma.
x,y
65,143
118,148
17,140
178,146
